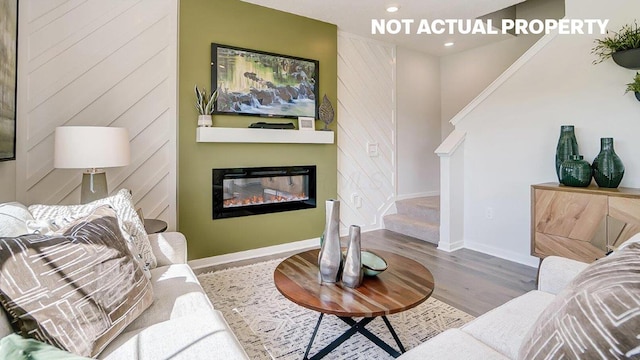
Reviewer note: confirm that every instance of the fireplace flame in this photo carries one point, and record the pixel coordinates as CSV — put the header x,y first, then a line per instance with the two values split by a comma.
x,y
268,199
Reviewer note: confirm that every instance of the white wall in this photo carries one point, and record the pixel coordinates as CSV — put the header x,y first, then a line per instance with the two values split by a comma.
x,y
7,181
512,134
95,62
391,97
464,75
418,116
366,112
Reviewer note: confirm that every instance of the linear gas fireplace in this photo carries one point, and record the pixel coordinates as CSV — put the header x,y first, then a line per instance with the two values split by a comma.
x,y
262,190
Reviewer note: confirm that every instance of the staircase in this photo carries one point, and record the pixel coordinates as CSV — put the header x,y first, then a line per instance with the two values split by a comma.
x,y
418,218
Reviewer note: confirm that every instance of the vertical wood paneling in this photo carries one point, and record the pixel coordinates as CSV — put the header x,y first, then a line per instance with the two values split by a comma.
x,y
366,113
106,63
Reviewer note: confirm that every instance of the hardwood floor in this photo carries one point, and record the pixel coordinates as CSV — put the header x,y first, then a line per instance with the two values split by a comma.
x,y
468,280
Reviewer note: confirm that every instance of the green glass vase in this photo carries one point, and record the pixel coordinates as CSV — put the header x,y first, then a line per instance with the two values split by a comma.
x,y
567,146
575,172
608,169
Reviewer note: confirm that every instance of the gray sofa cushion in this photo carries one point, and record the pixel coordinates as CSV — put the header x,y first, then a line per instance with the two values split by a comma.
x,y
176,292
76,290
201,335
169,248
13,219
505,327
130,224
452,344
596,316
556,273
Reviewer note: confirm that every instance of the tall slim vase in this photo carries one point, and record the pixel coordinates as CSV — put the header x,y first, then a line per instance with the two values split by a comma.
x,y
608,169
567,146
352,272
330,258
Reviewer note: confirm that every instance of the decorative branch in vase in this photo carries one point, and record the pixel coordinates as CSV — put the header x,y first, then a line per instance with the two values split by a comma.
x,y
204,105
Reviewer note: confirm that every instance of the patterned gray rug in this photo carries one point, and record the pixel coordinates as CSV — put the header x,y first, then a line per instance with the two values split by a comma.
x,y
271,327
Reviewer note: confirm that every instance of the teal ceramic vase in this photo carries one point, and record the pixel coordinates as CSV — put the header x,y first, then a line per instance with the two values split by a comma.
x,y
575,172
608,169
567,146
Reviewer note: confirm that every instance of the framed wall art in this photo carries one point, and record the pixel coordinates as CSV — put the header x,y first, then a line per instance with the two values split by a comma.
x,y
306,123
258,83
8,77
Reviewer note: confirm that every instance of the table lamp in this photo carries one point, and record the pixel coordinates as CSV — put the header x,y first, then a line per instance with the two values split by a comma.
x,y
92,148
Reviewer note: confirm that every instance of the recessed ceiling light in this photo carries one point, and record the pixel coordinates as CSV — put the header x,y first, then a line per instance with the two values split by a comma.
x,y
393,8
447,44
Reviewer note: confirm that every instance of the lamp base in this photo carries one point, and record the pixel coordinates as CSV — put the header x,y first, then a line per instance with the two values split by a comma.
x,y
94,186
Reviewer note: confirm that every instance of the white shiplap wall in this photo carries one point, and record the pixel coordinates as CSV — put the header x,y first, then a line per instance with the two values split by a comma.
x,y
366,113
97,62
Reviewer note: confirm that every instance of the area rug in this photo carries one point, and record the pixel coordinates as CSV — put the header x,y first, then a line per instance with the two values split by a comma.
x,y
271,327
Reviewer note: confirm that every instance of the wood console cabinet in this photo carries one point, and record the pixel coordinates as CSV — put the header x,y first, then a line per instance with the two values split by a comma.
x,y
581,223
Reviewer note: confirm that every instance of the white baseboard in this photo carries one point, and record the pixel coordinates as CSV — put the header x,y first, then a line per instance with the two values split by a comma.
x,y
503,254
255,253
265,251
421,194
390,209
451,247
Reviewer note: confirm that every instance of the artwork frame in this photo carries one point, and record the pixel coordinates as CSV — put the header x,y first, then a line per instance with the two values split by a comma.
x,y
8,78
259,83
306,123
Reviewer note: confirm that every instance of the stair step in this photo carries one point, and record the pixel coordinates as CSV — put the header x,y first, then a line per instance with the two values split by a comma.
x,y
426,209
413,227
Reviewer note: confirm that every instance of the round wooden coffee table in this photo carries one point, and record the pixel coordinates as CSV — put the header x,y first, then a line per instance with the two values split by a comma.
x,y
404,285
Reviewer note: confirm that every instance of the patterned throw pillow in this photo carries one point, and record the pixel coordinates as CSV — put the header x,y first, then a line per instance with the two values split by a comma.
x,y
597,316
76,290
60,216
13,219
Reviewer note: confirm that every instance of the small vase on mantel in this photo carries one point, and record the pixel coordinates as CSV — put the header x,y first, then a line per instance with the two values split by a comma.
x,y
205,121
353,272
608,169
567,146
330,257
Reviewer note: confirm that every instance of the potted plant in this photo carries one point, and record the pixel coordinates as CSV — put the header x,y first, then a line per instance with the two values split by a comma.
x,y
204,105
634,86
623,46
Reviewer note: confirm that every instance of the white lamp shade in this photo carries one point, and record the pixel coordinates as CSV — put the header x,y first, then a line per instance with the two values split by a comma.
x,y
89,147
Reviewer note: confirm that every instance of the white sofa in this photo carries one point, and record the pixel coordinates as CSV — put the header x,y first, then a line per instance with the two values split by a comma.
x,y
180,324
499,333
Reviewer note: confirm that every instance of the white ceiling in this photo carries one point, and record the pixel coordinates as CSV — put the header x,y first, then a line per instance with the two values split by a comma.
x,y
355,16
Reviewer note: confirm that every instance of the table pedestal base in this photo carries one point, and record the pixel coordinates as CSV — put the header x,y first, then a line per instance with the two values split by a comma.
x,y
356,327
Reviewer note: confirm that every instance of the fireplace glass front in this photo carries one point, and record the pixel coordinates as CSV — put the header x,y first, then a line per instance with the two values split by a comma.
x,y
253,191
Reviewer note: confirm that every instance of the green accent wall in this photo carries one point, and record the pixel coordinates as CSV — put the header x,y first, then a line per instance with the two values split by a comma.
x,y
235,23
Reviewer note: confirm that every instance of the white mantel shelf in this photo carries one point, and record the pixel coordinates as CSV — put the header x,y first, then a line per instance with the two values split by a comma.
x,y
248,135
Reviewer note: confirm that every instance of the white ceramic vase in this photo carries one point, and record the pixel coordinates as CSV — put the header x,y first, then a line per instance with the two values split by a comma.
x,y
205,121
